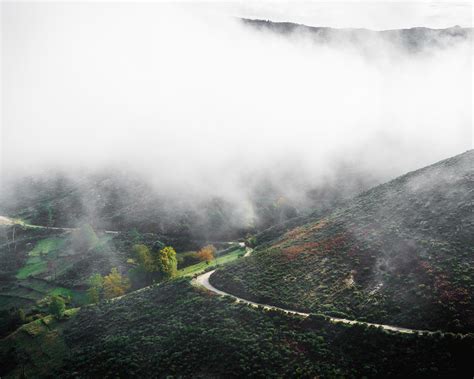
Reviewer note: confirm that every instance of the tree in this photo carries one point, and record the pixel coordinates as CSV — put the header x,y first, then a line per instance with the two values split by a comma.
x,y
144,258
114,284
57,306
166,262
206,253
157,265
95,291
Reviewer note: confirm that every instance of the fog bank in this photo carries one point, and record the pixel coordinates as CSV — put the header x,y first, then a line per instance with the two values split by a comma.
x,y
196,101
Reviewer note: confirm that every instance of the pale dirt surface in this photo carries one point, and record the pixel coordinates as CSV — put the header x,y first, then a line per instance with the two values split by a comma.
x,y
6,221
248,251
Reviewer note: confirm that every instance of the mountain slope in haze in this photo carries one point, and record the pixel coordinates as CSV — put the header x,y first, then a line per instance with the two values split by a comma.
x,y
401,253
415,39
122,201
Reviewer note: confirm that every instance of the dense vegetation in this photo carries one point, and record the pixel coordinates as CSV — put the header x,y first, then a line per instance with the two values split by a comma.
x,y
35,267
401,253
174,329
44,267
39,265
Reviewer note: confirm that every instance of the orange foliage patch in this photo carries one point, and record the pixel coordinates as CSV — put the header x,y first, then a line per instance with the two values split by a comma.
x,y
296,233
337,242
296,249
321,224
301,232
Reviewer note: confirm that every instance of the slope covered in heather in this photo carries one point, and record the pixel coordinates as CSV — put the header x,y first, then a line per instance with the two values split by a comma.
x,y
401,253
176,330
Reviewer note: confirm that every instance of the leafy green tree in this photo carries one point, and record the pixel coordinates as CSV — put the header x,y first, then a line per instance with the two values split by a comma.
x,y
57,306
167,262
152,266
95,291
144,258
93,295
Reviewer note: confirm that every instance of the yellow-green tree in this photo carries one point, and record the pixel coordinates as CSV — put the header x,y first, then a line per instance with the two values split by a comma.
x,y
114,284
167,262
95,291
144,257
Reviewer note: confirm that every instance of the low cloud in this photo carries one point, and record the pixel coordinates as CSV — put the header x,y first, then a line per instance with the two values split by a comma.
x,y
199,102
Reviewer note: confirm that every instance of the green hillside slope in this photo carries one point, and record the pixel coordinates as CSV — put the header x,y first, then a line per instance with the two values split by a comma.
x,y
401,253
176,330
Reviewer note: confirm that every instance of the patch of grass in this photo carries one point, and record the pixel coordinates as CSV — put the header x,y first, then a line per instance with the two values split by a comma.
x,y
34,290
71,312
46,246
77,297
36,264
37,285
219,260
34,328
31,269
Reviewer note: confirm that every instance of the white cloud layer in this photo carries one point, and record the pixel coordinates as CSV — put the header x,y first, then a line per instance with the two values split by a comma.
x,y
192,98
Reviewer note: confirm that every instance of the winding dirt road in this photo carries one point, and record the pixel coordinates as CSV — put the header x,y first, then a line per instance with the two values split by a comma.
x,y
203,281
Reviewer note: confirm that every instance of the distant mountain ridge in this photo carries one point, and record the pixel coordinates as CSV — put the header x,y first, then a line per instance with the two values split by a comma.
x,y
412,39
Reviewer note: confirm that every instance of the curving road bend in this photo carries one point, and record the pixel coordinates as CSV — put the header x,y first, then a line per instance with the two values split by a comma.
x,y
203,281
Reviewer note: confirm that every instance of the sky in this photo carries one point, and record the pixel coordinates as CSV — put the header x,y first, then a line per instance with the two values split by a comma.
x,y
184,93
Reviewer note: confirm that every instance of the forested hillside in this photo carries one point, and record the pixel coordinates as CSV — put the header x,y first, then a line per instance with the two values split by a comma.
x,y
401,253
176,330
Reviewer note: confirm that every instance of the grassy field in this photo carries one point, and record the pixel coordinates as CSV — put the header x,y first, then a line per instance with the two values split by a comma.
x,y
230,256
44,262
37,262
25,293
46,246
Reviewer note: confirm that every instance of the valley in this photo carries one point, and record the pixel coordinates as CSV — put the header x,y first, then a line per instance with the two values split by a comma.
x,y
210,297
214,190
